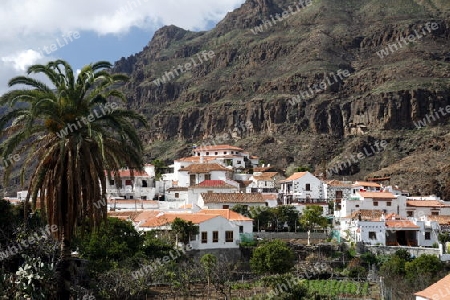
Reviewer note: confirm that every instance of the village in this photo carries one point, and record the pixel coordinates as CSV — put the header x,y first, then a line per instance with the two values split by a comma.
x,y
203,188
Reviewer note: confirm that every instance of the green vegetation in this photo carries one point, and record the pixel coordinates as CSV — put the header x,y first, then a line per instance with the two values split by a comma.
x,y
273,257
332,288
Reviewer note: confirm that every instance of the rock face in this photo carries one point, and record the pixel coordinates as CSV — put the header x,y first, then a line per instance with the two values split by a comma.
x,y
328,80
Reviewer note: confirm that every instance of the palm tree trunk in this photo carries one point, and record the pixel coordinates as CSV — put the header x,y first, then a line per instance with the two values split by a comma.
x,y
63,271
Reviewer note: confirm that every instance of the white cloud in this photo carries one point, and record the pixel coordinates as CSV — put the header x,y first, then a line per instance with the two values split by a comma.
x,y
33,24
21,60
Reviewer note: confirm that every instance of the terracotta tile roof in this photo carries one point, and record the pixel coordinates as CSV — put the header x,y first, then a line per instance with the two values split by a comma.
x,y
400,224
218,184
337,183
265,176
441,219
437,291
226,213
167,218
196,159
269,197
425,203
233,198
218,147
146,214
294,176
366,183
203,168
367,214
378,195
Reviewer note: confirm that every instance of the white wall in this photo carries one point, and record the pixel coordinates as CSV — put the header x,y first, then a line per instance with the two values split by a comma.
x,y
221,225
378,227
299,187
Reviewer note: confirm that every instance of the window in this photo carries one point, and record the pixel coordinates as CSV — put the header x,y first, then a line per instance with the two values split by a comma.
x,y
207,176
128,182
389,203
338,195
192,179
427,235
207,153
177,195
193,237
410,213
239,162
375,203
225,206
435,213
216,153
215,236
144,183
372,235
357,205
111,182
228,236
143,197
204,237
241,229
224,152
308,187
232,152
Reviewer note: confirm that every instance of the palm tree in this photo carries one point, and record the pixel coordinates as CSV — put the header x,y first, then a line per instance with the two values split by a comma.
x,y
70,134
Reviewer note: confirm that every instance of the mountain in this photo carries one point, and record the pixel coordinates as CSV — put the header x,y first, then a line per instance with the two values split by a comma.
x,y
307,84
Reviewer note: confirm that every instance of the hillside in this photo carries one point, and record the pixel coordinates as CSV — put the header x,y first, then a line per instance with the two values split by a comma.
x,y
278,90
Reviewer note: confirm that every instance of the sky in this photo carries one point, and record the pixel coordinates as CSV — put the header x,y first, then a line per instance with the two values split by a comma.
x,y
85,31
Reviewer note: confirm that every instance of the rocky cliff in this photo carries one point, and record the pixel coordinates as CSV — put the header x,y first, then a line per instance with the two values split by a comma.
x,y
301,83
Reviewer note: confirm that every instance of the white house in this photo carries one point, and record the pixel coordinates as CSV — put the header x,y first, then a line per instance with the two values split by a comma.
x,y
264,182
134,185
196,173
393,230
228,200
227,155
215,230
418,208
302,187
384,201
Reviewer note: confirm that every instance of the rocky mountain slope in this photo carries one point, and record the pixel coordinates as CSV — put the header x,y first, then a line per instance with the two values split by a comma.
x,y
312,89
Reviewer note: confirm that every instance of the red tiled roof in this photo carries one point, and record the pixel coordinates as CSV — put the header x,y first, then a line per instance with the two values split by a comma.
x,y
425,203
378,195
441,219
196,159
400,224
167,218
218,184
269,197
265,176
437,291
226,213
294,176
367,214
232,198
366,183
218,147
203,168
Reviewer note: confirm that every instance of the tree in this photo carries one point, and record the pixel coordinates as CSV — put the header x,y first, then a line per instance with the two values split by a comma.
x,y
287,214
273,257
312,217
241,209
74,132
160,167
185,229
114,242
208,262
